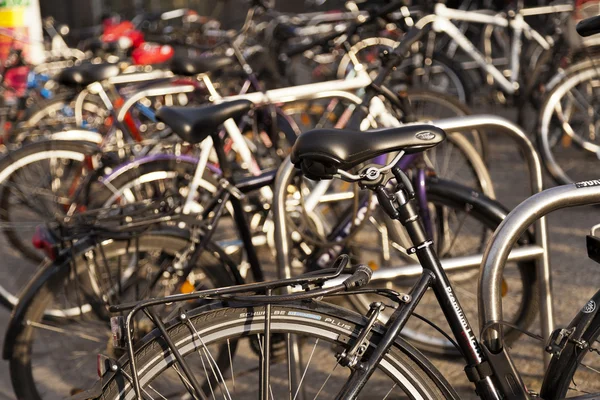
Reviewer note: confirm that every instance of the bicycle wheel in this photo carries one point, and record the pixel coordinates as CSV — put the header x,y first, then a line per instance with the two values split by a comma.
x,y
321,330
462,222
429,105
576,371
55,357
59,113
569,128
37,183
439,73
457,158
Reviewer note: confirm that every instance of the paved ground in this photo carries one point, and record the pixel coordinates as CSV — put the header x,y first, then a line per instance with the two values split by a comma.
x,y
575,278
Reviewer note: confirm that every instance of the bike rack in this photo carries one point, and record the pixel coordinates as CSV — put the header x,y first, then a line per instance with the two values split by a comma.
x,y
537,251
533,209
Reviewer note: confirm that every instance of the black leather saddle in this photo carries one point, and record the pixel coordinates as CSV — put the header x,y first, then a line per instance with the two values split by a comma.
x,y
84,74
190,66
589,26
321,152
194,124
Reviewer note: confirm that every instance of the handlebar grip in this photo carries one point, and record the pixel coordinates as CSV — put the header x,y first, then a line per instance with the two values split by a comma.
x,y
360,277
588,26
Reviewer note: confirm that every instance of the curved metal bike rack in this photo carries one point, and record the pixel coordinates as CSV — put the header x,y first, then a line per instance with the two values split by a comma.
x,y
496,253
537,251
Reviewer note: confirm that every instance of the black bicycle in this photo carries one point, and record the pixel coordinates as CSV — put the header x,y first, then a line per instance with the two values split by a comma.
x,y
253,341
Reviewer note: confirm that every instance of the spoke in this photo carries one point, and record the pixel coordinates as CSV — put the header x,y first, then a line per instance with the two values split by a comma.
x,y
64,331
157,392
326,380
460,225
388,393
186,383
219,378
289,352
142,389
262,356
231,366
590,368
306,369
206,374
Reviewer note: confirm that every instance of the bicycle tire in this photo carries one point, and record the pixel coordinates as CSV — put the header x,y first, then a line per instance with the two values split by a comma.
x,y
76,151
489,213
405,366
29,380
478,138
449,67
568,138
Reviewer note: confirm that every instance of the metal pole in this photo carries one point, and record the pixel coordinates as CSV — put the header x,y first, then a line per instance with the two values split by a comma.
x,y
541,229
284,270
509,231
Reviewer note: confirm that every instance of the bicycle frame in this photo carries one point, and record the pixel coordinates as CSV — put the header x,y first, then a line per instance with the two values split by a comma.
x,y
482,365
442,22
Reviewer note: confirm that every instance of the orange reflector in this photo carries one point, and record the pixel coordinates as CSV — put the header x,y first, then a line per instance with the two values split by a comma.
x,y
187,287
373,265
305,118
566,140
504,288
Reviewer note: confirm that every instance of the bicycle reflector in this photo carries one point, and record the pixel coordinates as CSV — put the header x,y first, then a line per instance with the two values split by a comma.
x,y
43,240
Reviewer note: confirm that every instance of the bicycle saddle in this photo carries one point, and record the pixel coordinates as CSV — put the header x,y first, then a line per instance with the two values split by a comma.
x,y
194,124
85,74
321,152
190,66
589,26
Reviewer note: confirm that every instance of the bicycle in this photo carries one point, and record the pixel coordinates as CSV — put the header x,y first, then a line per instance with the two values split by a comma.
x,y
30,327
195,352
125,178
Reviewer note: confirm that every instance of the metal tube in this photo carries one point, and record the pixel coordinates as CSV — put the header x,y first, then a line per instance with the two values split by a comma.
x,y
303,92
486,294
496,253
140,77
152,92
505,126
282,237
449,265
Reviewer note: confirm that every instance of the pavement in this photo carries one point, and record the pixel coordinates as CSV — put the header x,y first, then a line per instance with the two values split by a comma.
x,y
575,277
